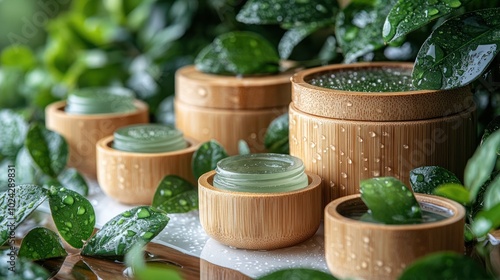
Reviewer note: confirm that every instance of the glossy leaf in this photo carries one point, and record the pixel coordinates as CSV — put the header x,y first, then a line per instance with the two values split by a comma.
x,y
238,53
358,27
243,148
407,16
444,265
23,269
426,178
481,164
206,157
458,51
492,126
295,35
12,133
73,215
175,195
390,201
486,220
286,12
276,137
71,179
118,235
142,271
47,148
297,273
16,205
454,191
40,244
27,172
492,194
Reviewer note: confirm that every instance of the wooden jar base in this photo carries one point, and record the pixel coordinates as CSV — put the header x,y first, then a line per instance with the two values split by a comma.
x,y
355,249
261,221
132,178
83,131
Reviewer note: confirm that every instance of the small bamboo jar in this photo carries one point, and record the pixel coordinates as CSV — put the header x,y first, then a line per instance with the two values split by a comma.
x,y
132,178
260,221
83,131
227,108
364,250
347,136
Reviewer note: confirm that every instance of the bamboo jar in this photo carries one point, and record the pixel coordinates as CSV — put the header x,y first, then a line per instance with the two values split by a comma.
x,y
83,131
356,249
347,136
260,221
132,178
227,108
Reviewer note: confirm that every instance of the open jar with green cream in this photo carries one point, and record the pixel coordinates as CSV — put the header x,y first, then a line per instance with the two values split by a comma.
x,y
148,138
100,100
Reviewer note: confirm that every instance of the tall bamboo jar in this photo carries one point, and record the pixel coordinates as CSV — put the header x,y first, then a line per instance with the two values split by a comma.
x,y
229,108
347,136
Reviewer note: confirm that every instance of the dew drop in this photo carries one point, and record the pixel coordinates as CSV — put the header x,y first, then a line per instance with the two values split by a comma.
x,y
405,146
68,200
68,224
147,235
143,213
344,175
372,134
81,210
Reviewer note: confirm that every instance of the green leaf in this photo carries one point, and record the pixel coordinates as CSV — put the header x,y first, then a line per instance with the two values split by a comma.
x,y
73,215
12,133
206,157
358,27
5,164
407,16
71,179
492,194
458,51
276,137
23,269
243,148
117,236
390,201
175,195
444,265
486,220
40,244
10,81
18,56
16,204
238,53
297,273
481,164
48,149
142,271
295,35
286,12
492,126
426,178
454,191
27,172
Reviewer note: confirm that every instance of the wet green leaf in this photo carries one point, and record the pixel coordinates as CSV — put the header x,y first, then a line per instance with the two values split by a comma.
x,y
458,51
444,265
276,137
426,178
358,27
73,215
286,12
175,195
71,179
295,35
407,16
5,164
27,172
390,201
23,269
486,220
206,157
40,244
243,148
492,194
481,164
298,273
18,56
492,126
238,53
12,133
454,191
16,204
142,271
117,236
48,149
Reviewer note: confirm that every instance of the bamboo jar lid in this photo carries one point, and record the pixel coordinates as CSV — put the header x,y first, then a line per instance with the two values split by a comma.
x,y
356,249
132,178
260,221
83,131
379,106
229,92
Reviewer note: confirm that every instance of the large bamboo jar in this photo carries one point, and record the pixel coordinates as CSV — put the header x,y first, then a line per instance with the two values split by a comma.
x,y
229,108
347,136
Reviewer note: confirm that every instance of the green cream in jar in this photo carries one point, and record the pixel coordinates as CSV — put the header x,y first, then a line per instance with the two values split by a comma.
x,y
260,173
100,100
148,138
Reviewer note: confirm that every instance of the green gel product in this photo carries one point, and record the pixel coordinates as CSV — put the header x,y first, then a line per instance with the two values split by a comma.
x,y
100,100
148,138
260,173
380,79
